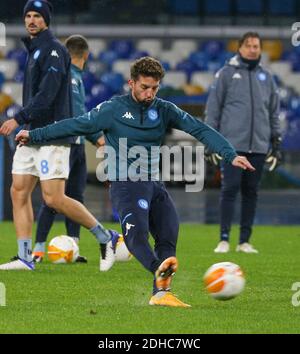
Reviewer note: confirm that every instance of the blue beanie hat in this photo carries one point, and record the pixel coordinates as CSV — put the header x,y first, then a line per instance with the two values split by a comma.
x,y
41,6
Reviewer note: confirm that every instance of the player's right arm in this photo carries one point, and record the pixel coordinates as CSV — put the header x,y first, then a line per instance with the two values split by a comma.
x,y
97,119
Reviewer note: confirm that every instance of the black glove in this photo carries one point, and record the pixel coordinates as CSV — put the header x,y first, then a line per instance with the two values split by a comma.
x,y
274,156
212,157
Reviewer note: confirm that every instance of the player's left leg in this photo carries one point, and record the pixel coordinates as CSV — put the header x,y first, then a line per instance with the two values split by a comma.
x,y
45,219
249,191
164,227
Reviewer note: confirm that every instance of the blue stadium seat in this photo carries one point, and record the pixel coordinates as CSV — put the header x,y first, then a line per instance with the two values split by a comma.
x,y
217,7
186,7
187,66
100,93
253,7
123,48
291,139
2,79
212,48
138,54
89,80
12,110
19,77
20,55
114,81
200,60
281,8
108,57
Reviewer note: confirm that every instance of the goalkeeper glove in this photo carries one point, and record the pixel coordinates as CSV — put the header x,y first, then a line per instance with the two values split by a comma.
x,y
274,156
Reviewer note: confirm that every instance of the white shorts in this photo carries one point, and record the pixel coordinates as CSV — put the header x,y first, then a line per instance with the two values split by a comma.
x,y
45,162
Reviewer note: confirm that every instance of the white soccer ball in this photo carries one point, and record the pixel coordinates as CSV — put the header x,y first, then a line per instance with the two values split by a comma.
x,y
224,280
122,253
62,249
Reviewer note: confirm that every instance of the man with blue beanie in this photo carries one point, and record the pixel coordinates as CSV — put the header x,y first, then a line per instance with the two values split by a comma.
x,y
46,100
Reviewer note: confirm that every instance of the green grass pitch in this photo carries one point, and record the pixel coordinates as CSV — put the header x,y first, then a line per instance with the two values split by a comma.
x,y
77,298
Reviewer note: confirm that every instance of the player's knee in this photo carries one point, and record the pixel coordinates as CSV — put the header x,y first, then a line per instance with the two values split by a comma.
x,y
135,237
54,202
18,193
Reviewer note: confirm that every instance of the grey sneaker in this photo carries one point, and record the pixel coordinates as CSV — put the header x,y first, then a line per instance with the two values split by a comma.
x,y
223,247
246,248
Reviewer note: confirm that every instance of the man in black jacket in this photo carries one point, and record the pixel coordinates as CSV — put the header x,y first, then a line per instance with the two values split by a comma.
x,y
46,100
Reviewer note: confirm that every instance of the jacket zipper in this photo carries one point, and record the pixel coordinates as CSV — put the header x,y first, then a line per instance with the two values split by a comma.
x,y
252,115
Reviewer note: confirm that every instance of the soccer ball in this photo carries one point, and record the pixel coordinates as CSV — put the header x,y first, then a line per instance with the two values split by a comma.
x,y
122,253
224,280
62,249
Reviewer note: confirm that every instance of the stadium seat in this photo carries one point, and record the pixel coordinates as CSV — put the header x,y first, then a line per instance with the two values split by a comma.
x,y
187,66
232,45
152,46
114,81
175,79
138,54
203,79
12,110
15,90
20,55
19,77
184,46
171,56
10,44
108,57
200,60
9,68
273,48
122,66
5,101
123,48
192,90
96,46
2,80
212,48
89,80
293,80
280,68
96,67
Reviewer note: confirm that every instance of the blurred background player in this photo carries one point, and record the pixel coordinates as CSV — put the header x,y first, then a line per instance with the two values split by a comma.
x,y
46,99
140,198
78,49
243,105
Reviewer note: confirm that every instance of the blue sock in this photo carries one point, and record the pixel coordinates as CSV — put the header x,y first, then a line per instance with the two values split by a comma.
x,y
100,233
24,250
225,237
39,247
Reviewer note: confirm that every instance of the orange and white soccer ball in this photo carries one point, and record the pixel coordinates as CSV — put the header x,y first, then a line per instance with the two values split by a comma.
x,y
224,280
122,253
62,249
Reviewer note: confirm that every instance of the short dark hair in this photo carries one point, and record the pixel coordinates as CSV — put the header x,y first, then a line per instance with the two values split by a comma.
x,y
249,35
147,66
77,45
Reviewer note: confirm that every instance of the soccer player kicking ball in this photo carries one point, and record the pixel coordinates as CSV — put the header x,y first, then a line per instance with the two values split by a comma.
x,y
141,200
